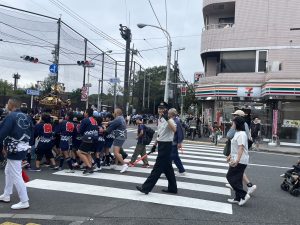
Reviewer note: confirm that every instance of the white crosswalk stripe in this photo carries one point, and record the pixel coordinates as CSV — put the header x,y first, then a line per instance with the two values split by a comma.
x,y
205,174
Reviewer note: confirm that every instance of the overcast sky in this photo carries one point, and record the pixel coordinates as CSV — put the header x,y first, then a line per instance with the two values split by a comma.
x,y
184,23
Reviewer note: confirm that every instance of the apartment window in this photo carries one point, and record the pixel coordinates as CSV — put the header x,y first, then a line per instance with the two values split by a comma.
x,y
238,62
226,20
261,60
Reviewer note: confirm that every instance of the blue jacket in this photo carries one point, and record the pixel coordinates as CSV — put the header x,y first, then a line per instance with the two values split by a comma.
x,y
17,131
45,132
67,130
118,128
179,135
89,130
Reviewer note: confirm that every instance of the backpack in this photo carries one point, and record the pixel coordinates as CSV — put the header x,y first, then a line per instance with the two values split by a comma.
x,y
148,136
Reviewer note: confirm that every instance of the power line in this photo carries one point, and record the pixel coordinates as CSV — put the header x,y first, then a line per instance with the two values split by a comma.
x,y
156,17
91,27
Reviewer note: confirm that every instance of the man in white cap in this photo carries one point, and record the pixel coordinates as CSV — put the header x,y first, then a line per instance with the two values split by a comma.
x,y
230,135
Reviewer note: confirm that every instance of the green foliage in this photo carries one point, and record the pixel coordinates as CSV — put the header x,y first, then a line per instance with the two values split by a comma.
x,y
5,88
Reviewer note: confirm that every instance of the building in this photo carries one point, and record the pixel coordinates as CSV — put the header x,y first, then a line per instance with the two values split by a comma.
x,y
251,56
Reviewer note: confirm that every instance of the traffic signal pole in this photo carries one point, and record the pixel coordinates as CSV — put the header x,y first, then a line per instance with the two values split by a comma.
x,y
126,35
84,68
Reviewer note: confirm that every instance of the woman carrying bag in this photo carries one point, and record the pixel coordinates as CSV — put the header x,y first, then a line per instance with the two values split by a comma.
x,y
238,161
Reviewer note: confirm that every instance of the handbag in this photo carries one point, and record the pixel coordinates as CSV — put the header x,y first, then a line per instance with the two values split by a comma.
x,y
227,148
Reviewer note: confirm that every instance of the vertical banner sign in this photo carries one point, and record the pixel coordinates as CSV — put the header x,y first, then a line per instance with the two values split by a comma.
x,y
275,122
84,94
183,91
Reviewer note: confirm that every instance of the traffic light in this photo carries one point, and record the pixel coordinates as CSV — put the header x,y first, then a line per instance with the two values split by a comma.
x,y
85,63
30,58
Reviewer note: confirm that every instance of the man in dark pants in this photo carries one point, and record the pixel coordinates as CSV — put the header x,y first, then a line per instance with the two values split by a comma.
x,y
163,164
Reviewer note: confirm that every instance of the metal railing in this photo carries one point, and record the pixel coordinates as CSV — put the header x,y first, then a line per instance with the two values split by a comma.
x,y
218,26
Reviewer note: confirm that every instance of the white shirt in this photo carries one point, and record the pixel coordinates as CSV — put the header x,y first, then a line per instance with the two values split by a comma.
x,y
240,138
164,132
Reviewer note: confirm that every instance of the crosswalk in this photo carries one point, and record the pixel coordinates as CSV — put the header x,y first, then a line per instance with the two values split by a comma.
x,y
202,188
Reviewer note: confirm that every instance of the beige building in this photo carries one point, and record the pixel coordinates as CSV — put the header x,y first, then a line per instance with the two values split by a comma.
x,y
251,56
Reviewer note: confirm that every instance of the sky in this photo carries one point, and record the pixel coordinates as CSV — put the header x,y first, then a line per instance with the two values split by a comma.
x,y
184,23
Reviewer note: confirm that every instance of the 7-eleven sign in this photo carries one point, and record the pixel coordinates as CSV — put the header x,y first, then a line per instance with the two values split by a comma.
x,y
183,91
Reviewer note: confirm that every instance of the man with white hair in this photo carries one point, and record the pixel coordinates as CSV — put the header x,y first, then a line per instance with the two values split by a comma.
x,y
177,142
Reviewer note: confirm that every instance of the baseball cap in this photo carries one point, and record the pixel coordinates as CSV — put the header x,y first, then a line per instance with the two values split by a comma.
x,y
239,113
163,105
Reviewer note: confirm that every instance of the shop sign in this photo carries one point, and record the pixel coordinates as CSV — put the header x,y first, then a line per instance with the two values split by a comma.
x,y
249,92
291,123
197,76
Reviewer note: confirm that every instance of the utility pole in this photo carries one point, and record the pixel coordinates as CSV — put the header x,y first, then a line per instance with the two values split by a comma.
x,y
148,91
115,87
175,78
126,35
133,73
102,77
57,47
84,68
144,90
16,77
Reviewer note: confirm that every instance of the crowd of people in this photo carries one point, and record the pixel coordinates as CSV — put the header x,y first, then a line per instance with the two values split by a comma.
x,y
84,141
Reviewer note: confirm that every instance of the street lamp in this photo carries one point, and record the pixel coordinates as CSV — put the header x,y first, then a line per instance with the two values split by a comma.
x,y
166,95
100,87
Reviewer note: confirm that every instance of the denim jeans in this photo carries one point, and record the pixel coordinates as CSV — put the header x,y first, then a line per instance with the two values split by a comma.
x,y
176,159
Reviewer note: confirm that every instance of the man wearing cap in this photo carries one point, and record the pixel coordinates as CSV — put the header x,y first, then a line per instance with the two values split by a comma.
x,y
230,135
163,164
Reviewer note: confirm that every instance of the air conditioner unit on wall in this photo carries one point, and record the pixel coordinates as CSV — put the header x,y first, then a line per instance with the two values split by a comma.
x,y
274,66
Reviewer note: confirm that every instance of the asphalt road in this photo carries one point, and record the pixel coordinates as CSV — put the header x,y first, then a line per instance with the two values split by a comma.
x,y
109,198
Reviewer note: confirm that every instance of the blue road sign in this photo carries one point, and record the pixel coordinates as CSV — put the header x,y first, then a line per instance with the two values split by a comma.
x,y
53,68
32,92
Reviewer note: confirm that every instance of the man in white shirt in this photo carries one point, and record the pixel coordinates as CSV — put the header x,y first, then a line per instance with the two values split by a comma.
x,y
163,164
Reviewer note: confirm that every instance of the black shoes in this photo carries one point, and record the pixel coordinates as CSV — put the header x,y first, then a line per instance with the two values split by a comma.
x,y
139,188
170,192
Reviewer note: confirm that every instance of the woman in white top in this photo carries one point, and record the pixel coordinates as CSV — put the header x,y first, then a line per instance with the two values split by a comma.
x,y
238,161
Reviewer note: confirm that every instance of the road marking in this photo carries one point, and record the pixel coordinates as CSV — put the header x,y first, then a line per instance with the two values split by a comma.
x,y
210,163
183,155
133,195
160,182
10,223
272,153
192,150
203,146
188,174
277,167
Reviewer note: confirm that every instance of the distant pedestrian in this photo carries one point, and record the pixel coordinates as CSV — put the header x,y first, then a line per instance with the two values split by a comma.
x,y
163,164
255,129
17,130
140,148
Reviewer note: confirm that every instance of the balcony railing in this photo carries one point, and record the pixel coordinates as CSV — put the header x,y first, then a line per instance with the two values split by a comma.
x,y
218,26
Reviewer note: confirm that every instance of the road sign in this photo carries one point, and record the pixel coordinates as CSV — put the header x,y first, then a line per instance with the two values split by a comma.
x,y
53,68
88,85
114,80
183,91
84,94
32,92
163,82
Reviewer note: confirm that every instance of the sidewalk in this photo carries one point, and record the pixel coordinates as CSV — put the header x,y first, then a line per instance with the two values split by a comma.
x,y
264,147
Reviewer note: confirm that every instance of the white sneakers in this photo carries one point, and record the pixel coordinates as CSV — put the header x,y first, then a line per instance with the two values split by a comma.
x,y
251,189
243,201
233,201
20,205
5,199
124,168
